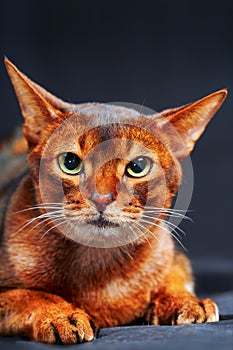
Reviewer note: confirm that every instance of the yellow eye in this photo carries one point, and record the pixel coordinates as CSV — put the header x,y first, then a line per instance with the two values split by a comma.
x,y
70,163
138,167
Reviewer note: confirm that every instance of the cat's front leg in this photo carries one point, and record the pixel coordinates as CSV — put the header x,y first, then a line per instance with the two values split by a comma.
x,y
174,302
43,317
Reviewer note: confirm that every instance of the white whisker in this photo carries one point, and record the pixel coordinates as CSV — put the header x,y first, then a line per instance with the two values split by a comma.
x,y
167,209
168,213
169,223
138,226
164,228
147,230
135,226
40,206
155,224
172,226
54,226
39,217
46,221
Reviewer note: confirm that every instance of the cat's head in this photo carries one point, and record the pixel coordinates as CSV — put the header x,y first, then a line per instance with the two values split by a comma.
x,y
106,175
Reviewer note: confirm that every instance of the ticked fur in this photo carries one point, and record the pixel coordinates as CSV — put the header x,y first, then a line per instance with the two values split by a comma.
x,y
100,252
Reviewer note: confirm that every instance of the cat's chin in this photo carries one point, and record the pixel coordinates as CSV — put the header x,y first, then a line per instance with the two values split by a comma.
x,y
99,233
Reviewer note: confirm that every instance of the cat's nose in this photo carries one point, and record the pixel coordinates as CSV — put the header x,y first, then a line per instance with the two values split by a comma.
x,y
101,200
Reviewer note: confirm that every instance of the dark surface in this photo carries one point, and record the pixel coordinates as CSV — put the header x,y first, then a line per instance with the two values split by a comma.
x,y
213,336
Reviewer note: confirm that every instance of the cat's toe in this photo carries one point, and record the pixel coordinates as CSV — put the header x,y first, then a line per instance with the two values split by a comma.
x,y
65,329
203,311
180,309
86,326
189,313
55,331
211,310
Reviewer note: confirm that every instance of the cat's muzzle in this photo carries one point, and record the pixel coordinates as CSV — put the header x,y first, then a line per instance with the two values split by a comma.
x,y
102,222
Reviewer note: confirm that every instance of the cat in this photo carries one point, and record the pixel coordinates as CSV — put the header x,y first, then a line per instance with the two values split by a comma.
x,y
84,238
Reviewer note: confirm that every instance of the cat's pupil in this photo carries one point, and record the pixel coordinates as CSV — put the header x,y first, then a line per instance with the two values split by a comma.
x,y
71,161
138,165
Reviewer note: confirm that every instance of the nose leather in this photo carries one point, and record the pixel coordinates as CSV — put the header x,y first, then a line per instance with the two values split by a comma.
x,y
101,200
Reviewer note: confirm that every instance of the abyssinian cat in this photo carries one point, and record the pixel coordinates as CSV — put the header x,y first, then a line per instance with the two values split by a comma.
x,y
85,240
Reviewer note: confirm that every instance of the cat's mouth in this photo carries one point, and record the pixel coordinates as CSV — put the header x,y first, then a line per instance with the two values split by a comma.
x,y
102,222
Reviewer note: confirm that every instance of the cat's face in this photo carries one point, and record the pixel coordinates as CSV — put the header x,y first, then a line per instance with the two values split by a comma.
x,y
105,175
108,183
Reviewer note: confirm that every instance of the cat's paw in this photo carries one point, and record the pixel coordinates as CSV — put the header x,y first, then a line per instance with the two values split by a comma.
x,y
182,310
202,311
61,328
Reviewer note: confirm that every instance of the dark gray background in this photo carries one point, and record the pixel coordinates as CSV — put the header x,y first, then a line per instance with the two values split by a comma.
x,y
156,53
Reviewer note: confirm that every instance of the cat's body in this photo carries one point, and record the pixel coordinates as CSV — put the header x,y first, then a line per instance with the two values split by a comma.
x,y
57,282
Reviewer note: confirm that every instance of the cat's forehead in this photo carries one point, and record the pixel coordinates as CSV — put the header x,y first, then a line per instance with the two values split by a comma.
x,y
81,131
101,129
107,112
104,128
100,122
85,117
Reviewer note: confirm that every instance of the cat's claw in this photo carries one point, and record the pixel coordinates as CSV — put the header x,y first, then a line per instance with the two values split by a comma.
x,y
211,310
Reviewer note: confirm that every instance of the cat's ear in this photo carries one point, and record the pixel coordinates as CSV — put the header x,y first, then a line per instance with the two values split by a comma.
x,y
38,106
189,122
